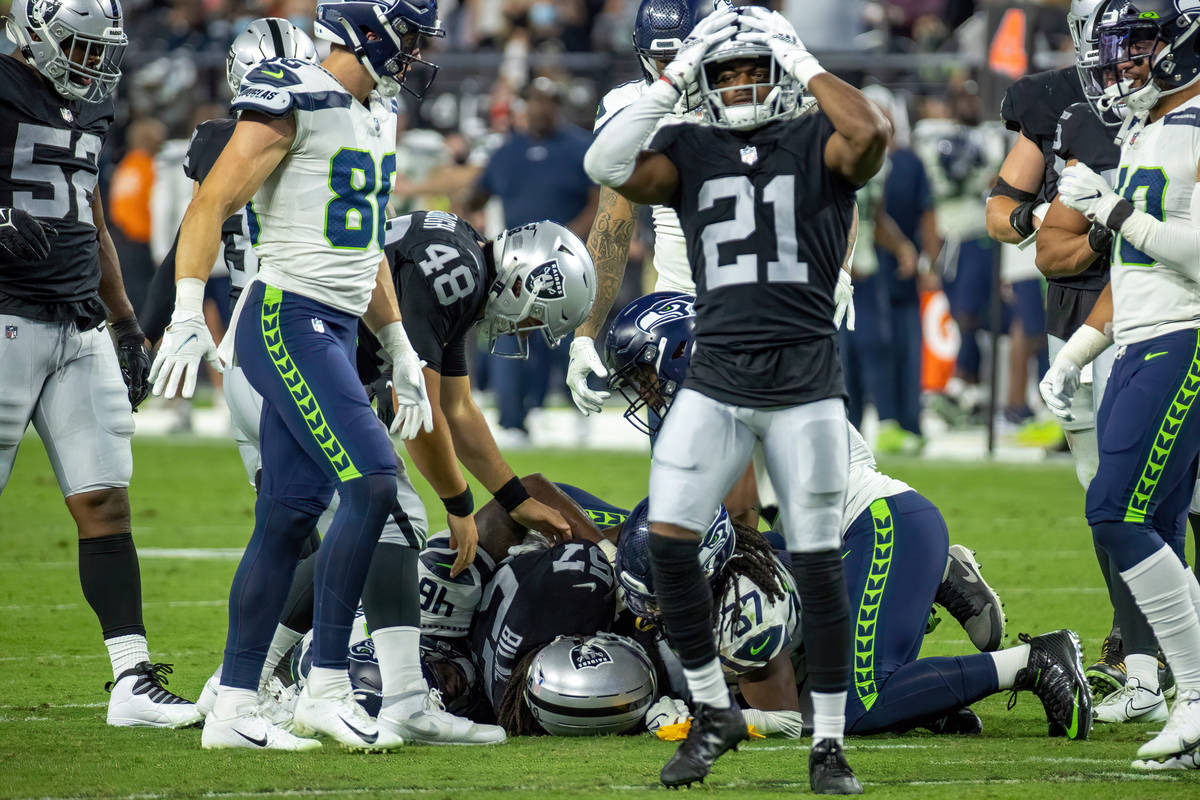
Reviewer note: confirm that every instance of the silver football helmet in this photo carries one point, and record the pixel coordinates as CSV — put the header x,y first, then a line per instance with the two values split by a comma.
x,y
1077,17
545,280
269,37
77,44
590,685
781,102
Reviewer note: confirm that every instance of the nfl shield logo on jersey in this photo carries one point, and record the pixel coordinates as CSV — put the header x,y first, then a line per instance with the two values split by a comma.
x,y
749,155
318,325
589,655
66,114
10,331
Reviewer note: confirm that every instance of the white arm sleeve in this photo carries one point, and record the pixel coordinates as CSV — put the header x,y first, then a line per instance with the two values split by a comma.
x,y
613,155
1173,244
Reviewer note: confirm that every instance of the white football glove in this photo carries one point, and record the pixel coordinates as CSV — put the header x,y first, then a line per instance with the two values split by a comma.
x,y
712,30
1080,188
184,343
787,723
1058,387
413,411
584,361
778,34
843,300
666,711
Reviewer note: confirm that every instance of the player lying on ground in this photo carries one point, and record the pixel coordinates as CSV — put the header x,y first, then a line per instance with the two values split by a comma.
x,y
897,564
59,281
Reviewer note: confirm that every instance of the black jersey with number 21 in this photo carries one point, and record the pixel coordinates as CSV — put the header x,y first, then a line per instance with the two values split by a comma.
x,y
766,224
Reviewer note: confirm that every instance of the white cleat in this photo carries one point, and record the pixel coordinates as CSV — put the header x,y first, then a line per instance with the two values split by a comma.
x,y
251,732
343,719
277,703
208,695
422,718
1181,735
1186,761
1132,703
139,698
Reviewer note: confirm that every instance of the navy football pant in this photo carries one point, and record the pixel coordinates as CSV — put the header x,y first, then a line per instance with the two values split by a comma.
x,y
1148,428
317,433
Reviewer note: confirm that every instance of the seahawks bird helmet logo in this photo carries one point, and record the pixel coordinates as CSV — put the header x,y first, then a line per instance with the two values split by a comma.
x,y
589,655
665,311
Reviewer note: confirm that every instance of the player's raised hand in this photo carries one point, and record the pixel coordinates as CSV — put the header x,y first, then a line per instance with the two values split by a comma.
x,y
464,538
776,32
184,344
585,361
1058,387
540,517
713,29
1081,189
22,236
843,301
410,397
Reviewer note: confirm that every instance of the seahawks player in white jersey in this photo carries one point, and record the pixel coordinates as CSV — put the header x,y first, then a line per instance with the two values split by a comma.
x,y
314,150
1148,428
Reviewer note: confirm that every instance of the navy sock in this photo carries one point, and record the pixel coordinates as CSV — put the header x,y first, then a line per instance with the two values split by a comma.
x,y
390,597
824,618
343,560
112,583
926,689
260,587
684,598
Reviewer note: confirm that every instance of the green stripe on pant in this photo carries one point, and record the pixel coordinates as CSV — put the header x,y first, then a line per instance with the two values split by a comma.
x,y
869,603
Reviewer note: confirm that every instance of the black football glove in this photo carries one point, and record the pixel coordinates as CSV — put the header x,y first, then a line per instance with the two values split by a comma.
x,y
1100,239
22,236
381,392
133,358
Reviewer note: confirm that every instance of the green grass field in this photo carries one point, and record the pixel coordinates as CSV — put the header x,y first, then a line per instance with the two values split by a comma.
x,y
1024,521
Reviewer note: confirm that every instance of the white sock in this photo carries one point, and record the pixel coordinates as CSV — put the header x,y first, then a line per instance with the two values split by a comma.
x,y
398,650
284,639
1144,668
829,715
126,652
707,685
1159,585
327,683
234,702
1008,663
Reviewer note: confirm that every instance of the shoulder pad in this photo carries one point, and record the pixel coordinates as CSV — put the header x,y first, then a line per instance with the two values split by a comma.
x,y
1184,116
397,228
617,98
278,85
756,630
448,604
1033,104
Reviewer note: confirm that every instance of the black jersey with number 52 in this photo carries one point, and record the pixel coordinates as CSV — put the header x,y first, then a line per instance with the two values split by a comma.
x,y
441,277
766,224
49,156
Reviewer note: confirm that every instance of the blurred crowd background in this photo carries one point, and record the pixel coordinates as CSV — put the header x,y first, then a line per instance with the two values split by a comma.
x,y
510,113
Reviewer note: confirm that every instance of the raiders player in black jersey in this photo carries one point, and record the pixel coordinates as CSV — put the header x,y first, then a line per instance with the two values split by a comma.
x,y
59,281
766,199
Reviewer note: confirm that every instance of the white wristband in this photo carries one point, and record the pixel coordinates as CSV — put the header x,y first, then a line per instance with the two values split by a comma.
x,y
189,298
394,340
805,69
1084,345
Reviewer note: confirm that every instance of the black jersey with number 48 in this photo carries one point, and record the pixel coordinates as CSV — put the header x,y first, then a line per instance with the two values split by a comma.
x,y
766,224
441,277
49,156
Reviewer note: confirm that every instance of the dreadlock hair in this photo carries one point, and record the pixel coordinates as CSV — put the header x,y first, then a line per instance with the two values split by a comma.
x,y
513,714
754,558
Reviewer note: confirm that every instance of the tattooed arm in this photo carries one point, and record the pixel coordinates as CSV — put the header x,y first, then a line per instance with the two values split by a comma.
x,y
608,245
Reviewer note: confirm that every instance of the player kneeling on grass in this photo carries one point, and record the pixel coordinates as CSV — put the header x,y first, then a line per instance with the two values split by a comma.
x,y
897,563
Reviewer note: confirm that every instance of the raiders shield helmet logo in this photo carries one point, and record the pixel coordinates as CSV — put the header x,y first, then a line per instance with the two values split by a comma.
x,y
546,281
589,655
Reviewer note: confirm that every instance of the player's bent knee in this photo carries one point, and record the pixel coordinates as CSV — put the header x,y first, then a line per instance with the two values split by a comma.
x,y
102,512
818,526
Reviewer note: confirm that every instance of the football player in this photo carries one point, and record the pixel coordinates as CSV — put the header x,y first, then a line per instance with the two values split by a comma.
x,y
897,562
313,148
59,281
766,226
1148,430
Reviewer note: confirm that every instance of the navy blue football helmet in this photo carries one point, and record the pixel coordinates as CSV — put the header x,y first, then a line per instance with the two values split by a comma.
x,y
659,29
365,678
646,350
1163,33
385,36
633,557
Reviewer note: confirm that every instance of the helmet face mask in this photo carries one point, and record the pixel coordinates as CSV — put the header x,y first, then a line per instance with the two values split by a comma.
x,y
271,37
1147,49
386,37
78,45
743,86
659,30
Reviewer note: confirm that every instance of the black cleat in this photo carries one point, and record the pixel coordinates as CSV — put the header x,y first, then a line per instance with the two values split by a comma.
x,y
963,722
1108,674
1166,678
975,605
713,731
828,772
1055,674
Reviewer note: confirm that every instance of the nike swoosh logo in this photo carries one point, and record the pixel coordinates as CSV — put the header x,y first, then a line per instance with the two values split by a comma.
x,y
256,742
1155,355
443,564
1073,728
279,74
368,739
1090,196
187,342
1135,707
756,650
589,584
